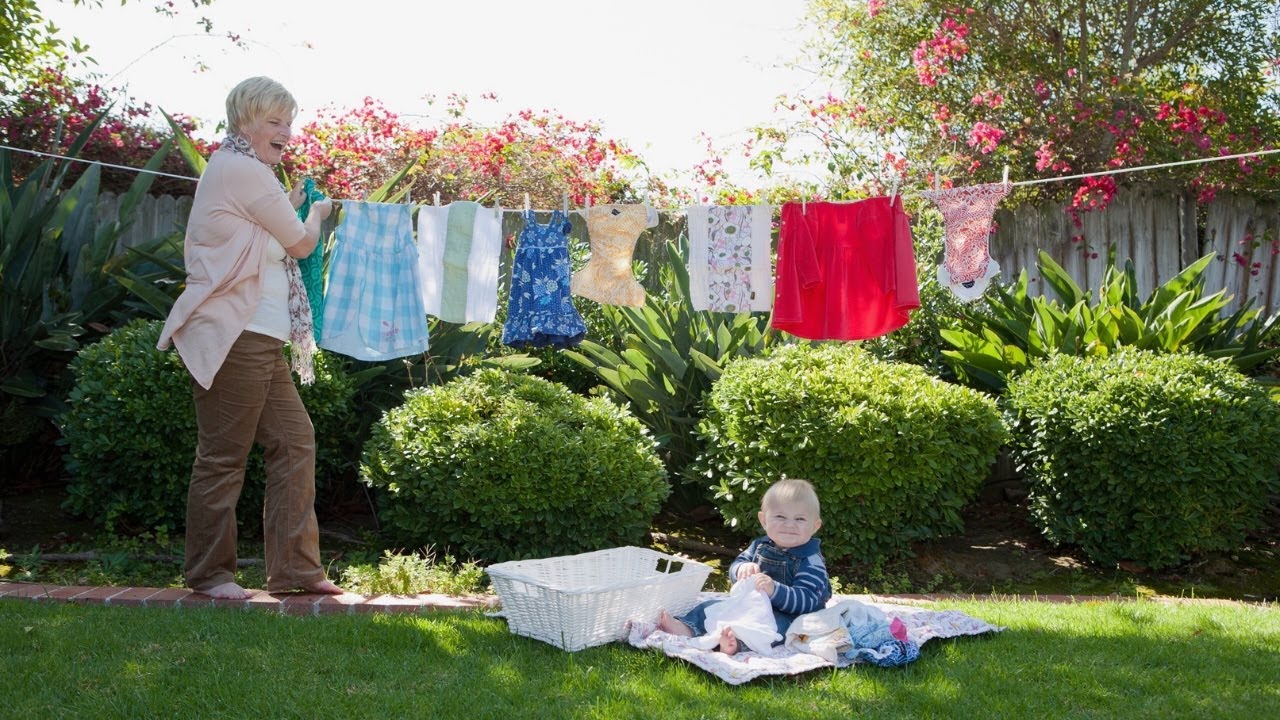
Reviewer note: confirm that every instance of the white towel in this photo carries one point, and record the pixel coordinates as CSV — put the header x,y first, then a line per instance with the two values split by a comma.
x,y
458,253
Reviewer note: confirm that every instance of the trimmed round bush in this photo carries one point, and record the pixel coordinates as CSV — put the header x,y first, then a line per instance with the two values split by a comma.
x,y
130,431
501,466
1145,457
893,452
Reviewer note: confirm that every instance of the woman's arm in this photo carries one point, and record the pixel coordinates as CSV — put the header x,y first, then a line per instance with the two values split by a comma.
x,y
319,211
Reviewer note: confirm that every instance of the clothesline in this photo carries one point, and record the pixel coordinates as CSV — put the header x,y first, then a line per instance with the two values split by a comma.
x,y
1035,181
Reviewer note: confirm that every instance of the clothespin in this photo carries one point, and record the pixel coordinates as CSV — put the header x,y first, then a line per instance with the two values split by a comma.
x,y
893,190
437,198
564,203
526,202
802,204
937,181
589,201
497,209
1005,179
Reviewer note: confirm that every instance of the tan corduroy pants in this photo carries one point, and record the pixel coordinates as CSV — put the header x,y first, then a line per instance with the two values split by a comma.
x,y
253,398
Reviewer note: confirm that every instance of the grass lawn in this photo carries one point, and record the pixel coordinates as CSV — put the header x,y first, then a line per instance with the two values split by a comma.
x,y
1113,659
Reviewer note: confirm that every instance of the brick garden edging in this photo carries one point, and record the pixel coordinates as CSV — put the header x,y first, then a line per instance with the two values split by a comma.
x,y
286,603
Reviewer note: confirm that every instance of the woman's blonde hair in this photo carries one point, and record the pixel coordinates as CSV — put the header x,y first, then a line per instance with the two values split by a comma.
x,y
792,490
254,98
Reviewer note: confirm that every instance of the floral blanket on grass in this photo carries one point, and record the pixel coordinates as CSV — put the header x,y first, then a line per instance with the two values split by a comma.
x,y
922,625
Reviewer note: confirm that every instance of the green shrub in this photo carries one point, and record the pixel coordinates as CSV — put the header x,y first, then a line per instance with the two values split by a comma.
x,y
501,466
893,452
131,432
1145,457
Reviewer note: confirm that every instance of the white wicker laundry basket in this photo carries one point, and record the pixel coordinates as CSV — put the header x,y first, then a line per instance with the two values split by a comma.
x,y
577,601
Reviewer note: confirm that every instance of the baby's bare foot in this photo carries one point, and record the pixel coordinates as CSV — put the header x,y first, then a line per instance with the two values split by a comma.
x,y
728,642
666,623
226,591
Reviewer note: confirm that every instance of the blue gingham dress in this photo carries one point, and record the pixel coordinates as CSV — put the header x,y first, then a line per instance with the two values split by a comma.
x,y
540,311
373,304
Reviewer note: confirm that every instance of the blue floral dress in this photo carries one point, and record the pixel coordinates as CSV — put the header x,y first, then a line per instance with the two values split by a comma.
x,y
540,311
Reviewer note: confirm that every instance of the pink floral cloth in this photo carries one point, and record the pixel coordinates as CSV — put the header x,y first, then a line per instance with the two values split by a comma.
x,y
967,267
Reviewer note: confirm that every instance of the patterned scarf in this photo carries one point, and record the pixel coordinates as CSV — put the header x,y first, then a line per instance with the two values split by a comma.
x,y
301,338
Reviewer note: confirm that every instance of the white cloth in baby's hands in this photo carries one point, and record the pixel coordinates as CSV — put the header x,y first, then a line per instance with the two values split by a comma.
x,y
749,612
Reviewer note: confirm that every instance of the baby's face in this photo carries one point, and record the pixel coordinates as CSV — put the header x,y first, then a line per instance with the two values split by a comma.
x,y
789,524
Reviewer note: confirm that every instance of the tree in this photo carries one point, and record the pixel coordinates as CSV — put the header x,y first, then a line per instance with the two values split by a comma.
x,y
29,43
1049,88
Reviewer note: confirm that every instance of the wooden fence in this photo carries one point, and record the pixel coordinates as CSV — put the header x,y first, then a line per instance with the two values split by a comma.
x,y
1161,229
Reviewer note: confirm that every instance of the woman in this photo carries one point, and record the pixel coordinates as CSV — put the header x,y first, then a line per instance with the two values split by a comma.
x,y
243,300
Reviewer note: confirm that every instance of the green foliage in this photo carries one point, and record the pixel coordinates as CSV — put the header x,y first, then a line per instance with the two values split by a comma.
x,y
1017,329
397,574
668,356
1145,457
893,453
131,432
507,466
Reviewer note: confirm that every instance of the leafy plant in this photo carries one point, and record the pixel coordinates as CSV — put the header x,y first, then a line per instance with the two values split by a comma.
x,y
1017,330
509,466
1145,457
57,286
669,357
893,452
397,574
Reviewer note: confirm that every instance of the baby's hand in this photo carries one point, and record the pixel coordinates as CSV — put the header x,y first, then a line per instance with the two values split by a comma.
x,y
764,584
746,570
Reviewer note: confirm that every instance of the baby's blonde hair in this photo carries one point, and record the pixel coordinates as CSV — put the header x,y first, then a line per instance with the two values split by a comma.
x,y
792,490
254,98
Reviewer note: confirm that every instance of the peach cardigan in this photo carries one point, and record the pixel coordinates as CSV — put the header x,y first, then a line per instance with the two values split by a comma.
x,y
238,207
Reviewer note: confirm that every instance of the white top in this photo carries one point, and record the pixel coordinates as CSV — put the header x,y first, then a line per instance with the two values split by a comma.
x,y
272,316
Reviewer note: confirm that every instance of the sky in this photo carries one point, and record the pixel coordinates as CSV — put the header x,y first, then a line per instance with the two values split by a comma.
x,y
653,74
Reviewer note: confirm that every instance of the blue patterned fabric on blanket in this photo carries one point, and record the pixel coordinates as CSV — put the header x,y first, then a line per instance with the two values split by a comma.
x,y
874,643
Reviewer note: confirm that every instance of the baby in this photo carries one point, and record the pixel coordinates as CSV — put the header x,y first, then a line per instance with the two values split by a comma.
x,y
785,565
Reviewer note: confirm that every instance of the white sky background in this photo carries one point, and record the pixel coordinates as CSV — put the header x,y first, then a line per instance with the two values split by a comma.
x,y
654,74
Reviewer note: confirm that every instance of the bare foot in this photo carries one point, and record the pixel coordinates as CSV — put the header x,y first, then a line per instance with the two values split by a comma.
x,y
668,624
324,587
728,642
226,591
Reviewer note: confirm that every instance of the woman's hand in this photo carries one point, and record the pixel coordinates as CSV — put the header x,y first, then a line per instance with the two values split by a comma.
x,y
296,195
746,570
322,208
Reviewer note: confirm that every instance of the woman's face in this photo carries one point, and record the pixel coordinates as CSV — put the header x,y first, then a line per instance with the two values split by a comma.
x,y
269,135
